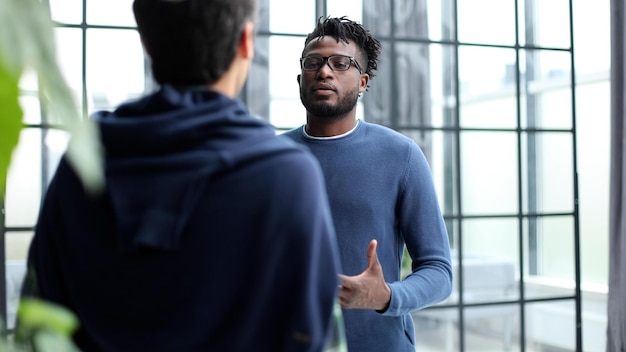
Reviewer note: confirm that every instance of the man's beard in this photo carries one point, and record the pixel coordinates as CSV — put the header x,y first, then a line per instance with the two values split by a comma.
x,y
325,109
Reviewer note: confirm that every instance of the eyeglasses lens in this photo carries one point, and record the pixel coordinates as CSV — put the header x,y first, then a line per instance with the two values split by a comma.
x,y
337,63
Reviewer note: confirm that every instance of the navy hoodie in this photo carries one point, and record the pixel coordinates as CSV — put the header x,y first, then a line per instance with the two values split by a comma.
x,y
213,234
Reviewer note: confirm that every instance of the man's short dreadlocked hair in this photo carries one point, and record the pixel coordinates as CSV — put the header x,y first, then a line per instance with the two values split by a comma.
x,y
349,31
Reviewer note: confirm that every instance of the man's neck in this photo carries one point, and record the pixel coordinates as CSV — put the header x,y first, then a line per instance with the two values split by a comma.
x,y
329,127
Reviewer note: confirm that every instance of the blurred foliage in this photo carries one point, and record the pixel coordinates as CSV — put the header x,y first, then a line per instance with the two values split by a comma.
x,y
27,42
43,327
406,264
10,119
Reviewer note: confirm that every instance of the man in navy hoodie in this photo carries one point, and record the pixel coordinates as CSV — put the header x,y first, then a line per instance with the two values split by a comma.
x,y
212,234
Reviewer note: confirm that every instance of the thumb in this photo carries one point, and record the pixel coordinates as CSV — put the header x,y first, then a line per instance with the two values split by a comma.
x,y
372,256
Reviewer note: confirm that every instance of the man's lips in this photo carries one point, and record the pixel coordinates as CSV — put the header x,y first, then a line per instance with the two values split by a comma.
x,y
323,87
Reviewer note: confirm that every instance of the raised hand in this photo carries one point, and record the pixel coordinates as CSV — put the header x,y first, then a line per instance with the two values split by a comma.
x,y
368,290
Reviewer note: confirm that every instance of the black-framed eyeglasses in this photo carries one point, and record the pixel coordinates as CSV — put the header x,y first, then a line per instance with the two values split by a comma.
x,y
335,62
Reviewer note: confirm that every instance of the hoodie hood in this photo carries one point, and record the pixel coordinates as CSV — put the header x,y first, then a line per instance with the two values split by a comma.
x,y
162,150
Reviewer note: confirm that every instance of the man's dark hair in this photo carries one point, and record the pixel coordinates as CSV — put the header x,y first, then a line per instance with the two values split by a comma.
x,y
191,42
343,29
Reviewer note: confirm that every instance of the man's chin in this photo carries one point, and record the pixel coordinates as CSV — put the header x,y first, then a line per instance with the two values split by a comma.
x,y
323,110
325,107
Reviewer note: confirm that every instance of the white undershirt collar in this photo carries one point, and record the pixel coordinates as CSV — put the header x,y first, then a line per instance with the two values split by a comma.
x,y
331,137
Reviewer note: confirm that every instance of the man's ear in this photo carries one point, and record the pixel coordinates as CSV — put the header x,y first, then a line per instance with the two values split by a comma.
x,y
365,78
246,41
298,79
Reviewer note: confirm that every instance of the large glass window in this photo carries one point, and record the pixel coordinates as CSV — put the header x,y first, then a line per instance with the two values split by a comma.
x,y
508,99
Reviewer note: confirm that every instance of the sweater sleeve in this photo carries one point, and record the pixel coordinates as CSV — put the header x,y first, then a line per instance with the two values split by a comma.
x,y
426,238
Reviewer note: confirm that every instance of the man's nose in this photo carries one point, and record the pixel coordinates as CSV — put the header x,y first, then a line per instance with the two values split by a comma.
x,y
325,70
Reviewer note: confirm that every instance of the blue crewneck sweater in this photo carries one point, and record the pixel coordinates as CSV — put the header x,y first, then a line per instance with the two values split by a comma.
x,y
213,234
380,187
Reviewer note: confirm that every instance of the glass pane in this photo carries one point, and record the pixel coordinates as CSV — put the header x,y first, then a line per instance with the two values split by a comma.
x,y
55,142
486,21
377,18
490,260
66,11
17,243
110,13
28,81
287,16
411,88
255,93
437,16
489,172
496,111
492,328
436,329
284,65
16,252
28,169
593,158
488,89
553,107
549,23
69,43
378,99
556,241
547,87
112,79
424,85
593,37
550,261
453,226
549,174
286,110
411,19
441,160
31,109
351,8
287,113
541,320
443,84
485,328
23,191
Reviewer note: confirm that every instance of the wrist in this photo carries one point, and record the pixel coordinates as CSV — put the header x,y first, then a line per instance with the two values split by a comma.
x,y
386,300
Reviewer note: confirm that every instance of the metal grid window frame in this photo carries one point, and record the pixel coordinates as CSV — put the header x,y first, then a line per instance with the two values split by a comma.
x,y
453,211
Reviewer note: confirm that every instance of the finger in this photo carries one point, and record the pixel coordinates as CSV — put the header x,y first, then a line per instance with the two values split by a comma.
x,y
343,282
343,303
347,283
372,256
342,278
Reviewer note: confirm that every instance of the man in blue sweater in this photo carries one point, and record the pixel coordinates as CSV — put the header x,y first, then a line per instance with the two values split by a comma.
x,y
212,234
381,194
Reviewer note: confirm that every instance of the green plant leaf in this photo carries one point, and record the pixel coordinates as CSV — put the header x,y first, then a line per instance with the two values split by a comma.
x,y
10,119
47,341
27,41
35,314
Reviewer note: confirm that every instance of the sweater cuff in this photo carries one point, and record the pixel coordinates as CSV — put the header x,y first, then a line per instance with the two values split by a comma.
x,y
396,301
391,304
